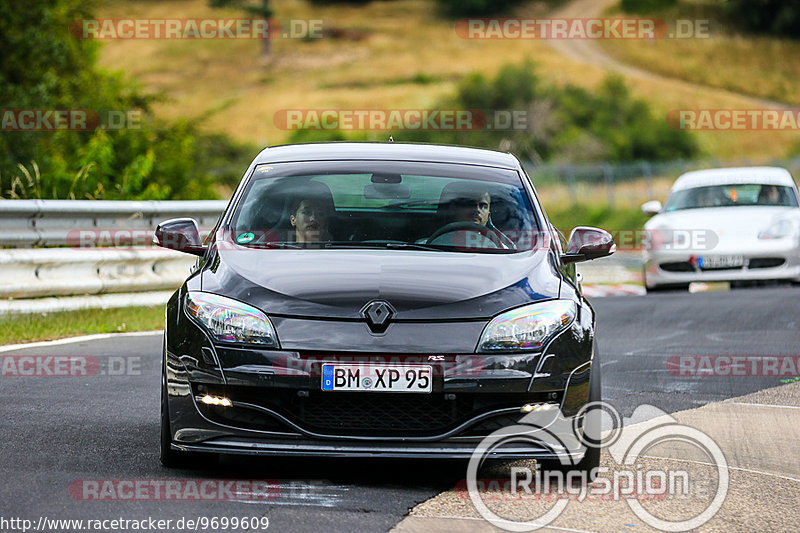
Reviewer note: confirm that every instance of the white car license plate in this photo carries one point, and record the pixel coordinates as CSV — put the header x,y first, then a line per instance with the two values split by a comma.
x,y
720,261
377,378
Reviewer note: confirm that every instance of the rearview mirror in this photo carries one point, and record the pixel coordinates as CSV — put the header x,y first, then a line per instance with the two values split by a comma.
x,y
653,207
387,191
587,243
179,234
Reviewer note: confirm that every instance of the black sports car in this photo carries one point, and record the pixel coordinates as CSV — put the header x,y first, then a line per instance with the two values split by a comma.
x,y
376,299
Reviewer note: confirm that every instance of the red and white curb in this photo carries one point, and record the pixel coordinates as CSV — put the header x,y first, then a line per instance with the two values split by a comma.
x,y
624,289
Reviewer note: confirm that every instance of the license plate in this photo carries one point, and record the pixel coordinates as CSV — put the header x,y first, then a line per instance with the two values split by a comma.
x,y
377,378
720,261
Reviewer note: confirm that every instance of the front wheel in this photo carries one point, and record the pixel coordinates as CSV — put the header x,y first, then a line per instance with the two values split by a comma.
x,y
169,457
588,466
667,287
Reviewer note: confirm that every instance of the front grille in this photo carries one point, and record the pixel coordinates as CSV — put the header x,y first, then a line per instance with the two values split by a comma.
x,y
374,414
715,269
677,266
492,424
388,412
765,262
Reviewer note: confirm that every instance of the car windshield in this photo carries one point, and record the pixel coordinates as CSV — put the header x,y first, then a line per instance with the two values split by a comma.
x,y
385,204
747,194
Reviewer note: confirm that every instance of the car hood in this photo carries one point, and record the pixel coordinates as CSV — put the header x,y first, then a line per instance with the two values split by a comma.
x,y
725,226
420,285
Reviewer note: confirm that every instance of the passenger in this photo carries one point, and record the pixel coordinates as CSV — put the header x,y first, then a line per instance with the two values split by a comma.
x,y
769,195
310,219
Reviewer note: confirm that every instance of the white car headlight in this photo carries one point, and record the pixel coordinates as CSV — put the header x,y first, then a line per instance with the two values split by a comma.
x,y
779,229
229,320
527,328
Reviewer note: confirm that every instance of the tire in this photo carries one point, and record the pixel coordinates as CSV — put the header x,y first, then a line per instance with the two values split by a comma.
x,y
675,287
663,288
591,459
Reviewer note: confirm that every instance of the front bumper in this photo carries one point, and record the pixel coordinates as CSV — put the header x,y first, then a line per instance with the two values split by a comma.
x,y
764,261
278,407
301,448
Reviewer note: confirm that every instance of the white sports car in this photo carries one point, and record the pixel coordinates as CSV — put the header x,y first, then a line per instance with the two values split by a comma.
x,y
727,224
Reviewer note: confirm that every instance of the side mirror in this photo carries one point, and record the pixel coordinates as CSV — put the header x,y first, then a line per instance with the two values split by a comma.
x,y
588,243
179,234
653,207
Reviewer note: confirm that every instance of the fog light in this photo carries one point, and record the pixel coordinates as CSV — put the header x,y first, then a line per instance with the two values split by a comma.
x,y
531,407
216,400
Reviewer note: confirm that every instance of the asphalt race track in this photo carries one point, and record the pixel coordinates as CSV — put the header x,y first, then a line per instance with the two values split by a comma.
x,y
56,432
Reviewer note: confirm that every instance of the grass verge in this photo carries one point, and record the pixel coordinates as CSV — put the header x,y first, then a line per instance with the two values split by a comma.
x,y
378,63
601,216
32,327
765,67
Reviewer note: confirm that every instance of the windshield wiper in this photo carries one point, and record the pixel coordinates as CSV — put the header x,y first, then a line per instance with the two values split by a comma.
x,y
275,244
413,246
397,245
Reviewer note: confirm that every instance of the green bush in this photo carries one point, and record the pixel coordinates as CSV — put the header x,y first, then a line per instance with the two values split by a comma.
x,y
150,159
561,123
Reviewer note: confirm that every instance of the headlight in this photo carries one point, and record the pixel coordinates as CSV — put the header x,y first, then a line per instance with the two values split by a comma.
x,y
229,320
779,229
527,328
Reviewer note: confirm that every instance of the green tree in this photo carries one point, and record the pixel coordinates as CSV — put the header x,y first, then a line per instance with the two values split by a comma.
x,y
559,123
46,68
776,17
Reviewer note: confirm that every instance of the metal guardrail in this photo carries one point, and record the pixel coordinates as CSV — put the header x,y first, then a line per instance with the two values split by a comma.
x,y
40,273
77,271
28,223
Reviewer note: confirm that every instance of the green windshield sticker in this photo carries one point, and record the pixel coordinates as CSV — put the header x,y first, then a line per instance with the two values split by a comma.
x,y
245,238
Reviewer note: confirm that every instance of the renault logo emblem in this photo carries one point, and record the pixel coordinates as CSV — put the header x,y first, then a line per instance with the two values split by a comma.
x,y
378,314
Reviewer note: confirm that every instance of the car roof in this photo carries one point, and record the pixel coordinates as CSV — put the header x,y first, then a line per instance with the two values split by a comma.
x,y
386,151
730,176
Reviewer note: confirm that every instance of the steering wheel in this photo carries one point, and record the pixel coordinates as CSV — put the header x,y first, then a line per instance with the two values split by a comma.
x,y
466,226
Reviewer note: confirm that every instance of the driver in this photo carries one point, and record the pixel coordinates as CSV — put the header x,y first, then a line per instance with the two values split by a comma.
x,y
469,204
769,195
